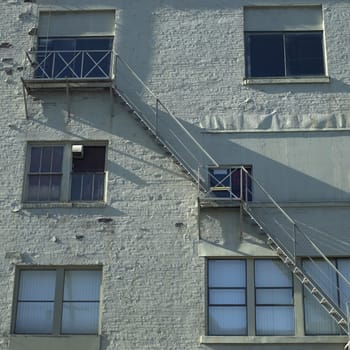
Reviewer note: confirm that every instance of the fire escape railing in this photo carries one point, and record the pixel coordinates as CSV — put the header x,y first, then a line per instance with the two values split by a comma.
x,y
65,64
180,140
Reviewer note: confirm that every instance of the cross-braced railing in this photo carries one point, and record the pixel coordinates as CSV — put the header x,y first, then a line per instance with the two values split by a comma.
x,y
63,64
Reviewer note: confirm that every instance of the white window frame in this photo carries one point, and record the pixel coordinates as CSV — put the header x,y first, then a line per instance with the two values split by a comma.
x,y
286,19
58,299
65,189
250,305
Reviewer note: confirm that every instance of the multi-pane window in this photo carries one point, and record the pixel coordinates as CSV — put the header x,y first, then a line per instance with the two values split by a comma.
x,y
57,173
284,41
317,320
231,182
284,54
57,301
74,45
229,285
45,173
273,298
227,305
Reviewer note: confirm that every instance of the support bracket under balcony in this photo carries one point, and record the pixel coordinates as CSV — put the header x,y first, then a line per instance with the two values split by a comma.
x,y
40,86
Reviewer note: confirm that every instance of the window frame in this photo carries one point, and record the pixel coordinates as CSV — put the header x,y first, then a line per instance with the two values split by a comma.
x,y
67,173
284,34
58,299
227,288
256,304
251,303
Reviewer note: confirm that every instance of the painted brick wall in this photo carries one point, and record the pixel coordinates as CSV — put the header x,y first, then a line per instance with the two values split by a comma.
x,y
191,53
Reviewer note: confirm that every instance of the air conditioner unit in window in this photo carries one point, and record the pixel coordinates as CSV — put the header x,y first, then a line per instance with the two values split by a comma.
x,y
78,151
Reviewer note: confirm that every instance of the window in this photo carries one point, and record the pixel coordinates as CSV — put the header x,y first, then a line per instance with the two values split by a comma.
x,y
228,288
284,42
273,298
74,44
65,173
230,182
317,320
57,301
227,313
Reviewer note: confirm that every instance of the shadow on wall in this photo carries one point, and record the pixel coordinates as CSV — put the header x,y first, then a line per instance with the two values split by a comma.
x,y
292,167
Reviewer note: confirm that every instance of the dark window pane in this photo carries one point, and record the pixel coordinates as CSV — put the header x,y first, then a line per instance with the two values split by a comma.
x,y
265,55
35,157
93,160
94,44
87,187
304,54
57,159
98,187
46,159
44,188
55,187
33,187
76,187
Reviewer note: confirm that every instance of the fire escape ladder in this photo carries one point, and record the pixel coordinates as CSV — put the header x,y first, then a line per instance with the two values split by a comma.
x,y
285,237
179,141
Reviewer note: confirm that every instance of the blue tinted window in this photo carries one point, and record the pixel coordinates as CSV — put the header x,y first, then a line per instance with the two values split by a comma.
x,y
265,55
304,54
284,54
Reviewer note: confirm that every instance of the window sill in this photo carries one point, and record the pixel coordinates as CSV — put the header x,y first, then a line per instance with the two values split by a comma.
x,y
331,339
67,342
48,205
286,80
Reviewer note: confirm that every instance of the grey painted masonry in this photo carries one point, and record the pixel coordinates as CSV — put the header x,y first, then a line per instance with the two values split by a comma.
x,y
155,240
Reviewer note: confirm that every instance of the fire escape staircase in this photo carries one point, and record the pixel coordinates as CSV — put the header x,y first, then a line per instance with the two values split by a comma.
x,y
284,236
183,145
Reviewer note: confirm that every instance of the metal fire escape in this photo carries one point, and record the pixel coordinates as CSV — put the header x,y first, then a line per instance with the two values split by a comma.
x,y
283,234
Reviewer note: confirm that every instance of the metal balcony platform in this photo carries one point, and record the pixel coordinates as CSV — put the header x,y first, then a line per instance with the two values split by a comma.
x,y
46,85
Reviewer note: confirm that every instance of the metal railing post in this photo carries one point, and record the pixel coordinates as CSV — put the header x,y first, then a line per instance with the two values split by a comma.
x,y
241,183
156,115
295,242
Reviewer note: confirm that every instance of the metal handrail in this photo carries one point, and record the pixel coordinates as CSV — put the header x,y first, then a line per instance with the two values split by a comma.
x,y
79,64
296,229
153,112
245,195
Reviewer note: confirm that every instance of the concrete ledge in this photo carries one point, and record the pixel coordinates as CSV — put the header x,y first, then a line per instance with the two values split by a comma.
x,y
273,340
49,205
286,80
69,342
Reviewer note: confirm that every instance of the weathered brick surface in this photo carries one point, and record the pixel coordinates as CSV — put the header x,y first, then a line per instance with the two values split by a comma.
x,y
191,53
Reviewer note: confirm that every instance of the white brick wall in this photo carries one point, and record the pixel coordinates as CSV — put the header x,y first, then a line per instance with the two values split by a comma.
x,y
192,55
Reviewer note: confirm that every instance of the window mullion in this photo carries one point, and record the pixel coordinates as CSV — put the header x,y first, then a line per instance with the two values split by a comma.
x,y
250,297
66,170
284,54
58,301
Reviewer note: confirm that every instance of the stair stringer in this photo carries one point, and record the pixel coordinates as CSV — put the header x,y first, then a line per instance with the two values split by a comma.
x,y
167,148
306,280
